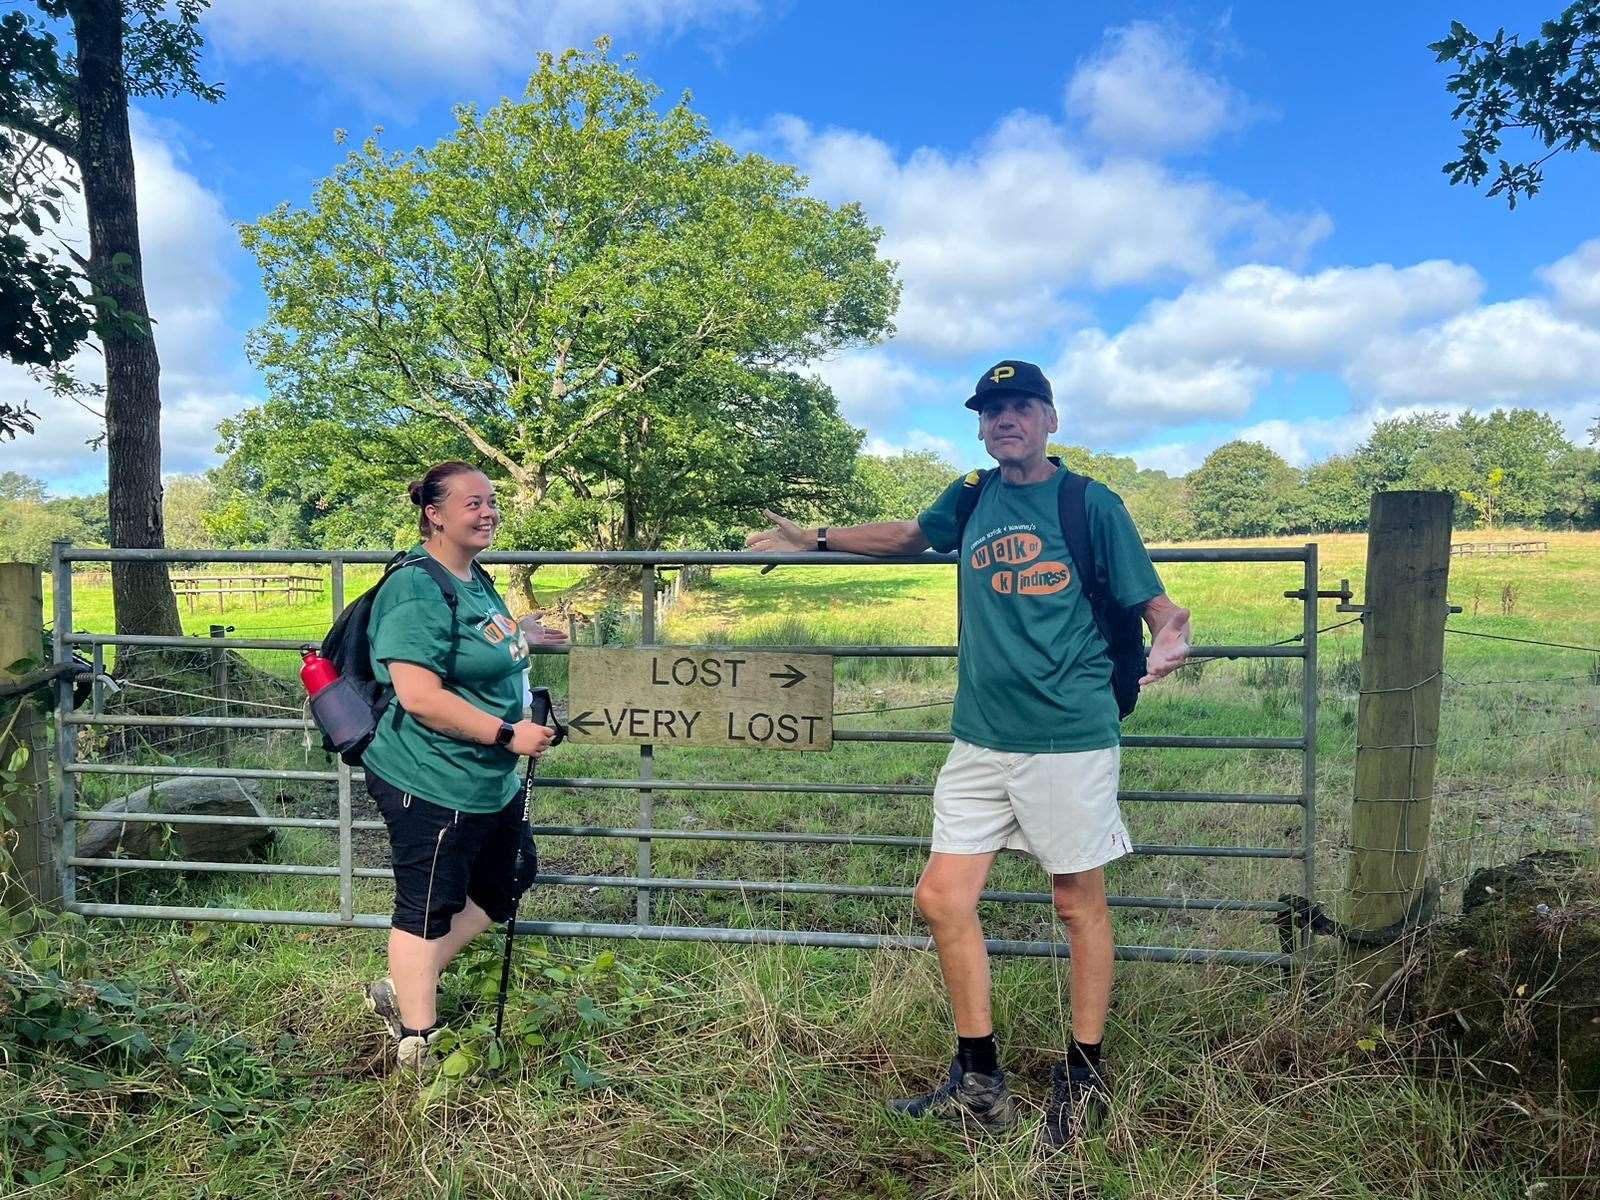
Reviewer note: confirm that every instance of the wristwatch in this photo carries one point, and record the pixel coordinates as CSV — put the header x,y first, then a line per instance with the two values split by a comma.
x,y
506,733
822,537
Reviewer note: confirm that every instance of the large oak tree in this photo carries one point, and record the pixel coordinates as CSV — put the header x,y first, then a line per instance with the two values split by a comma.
x,y
64,110
582,290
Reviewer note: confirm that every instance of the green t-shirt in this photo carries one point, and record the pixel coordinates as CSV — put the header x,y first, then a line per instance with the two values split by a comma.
x,y
1034,675
411,622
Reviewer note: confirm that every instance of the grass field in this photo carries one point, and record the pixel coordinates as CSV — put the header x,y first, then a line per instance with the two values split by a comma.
x,y
684,1070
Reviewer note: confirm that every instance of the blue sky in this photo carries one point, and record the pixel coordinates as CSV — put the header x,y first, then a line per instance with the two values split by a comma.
x,y
1204,222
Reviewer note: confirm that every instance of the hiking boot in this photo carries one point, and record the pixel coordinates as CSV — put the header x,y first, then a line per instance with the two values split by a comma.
x,y
1079,1100
379,997
414,1051
966,1099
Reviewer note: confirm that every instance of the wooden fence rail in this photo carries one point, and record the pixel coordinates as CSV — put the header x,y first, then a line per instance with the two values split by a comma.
x,y
191,587
1472,549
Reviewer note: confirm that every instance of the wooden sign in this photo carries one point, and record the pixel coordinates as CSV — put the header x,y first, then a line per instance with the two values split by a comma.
x,y
686,696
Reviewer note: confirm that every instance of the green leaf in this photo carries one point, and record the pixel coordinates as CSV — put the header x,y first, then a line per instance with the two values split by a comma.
x,y
1367,1044
457,1064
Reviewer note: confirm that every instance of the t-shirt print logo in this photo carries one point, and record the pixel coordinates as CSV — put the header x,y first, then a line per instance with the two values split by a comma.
x,y
1011,548
498,628
1043,579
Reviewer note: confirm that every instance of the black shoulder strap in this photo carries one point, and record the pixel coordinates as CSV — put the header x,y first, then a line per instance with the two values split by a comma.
x,y
447,586
972,485
1075,528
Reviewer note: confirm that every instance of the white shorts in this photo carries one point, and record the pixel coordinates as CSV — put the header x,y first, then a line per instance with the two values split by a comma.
x,y
1060,808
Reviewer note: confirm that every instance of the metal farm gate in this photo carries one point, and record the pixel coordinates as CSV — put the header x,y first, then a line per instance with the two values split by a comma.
x,y
72,768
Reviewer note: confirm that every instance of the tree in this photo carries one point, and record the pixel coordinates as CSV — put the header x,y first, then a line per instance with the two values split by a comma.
x,y
1423,452
187,503
1332,496
1575,489
1514,458
896,487
71,108
1544,86
1243,489
18,488
600,301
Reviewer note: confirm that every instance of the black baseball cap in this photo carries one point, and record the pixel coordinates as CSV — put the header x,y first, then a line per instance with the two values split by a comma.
x,y
1011,376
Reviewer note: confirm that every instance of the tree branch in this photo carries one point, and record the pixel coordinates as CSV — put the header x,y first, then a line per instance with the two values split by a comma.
x,y
48,134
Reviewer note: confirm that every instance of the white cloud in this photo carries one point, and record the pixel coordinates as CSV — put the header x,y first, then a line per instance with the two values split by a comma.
x,y
917,440
1269,316
1207,352
873,385
991,243
1520,352
1306,440
1141,93
188,244
378,45
1574,281
1103,391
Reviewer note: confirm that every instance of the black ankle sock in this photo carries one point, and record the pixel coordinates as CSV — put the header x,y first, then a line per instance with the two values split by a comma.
x,y
978,1054
1084,1054
406,1030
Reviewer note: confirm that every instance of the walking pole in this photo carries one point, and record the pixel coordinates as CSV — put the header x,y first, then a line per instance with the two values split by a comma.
x,y
541,709
511,921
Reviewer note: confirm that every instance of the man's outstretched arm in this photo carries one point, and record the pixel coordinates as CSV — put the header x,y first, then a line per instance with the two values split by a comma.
x,y
1170,637
876,537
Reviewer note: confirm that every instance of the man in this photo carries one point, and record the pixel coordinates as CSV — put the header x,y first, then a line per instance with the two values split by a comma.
x,y
1037,747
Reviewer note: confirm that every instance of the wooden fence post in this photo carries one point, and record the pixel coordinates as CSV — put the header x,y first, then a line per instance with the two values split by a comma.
x,y
27,839
219,687
1402,664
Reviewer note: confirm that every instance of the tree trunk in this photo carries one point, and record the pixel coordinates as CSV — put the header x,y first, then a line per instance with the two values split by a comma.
x,y
141,592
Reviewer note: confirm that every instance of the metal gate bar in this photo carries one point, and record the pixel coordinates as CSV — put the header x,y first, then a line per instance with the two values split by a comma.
x,y
645,881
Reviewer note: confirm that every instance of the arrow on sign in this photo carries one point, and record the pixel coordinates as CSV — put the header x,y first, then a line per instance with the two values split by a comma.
x,y
585,721
790,672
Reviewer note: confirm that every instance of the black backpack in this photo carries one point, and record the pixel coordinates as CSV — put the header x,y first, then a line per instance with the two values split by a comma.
x,y
349,649
1120,627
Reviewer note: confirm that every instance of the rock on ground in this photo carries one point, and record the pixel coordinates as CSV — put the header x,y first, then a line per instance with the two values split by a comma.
x,y
199,843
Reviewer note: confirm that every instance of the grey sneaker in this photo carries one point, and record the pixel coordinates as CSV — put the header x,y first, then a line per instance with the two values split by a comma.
x,y
1079,1099
414,1051
380,998
965,1098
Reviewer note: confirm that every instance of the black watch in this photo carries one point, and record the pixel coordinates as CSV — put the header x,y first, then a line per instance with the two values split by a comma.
x,y
822,537
506,733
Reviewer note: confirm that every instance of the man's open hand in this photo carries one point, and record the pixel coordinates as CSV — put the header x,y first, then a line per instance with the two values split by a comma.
x,y
784,535
540,634
1170,648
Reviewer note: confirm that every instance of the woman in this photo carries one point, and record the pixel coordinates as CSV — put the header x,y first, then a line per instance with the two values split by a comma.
x,y
442,766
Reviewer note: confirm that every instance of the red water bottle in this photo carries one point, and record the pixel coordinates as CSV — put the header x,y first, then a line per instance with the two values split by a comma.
x,y
317,673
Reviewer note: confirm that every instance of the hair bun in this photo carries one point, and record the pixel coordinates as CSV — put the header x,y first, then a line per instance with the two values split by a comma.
x,y
415,492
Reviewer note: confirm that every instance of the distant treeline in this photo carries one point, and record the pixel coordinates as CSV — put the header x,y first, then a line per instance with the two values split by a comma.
x,y
1512,467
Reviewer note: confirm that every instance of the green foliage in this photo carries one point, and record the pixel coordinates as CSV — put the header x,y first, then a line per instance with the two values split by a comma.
x,y
1544,86
30,519
48,306
106,1044
1242,489
895,487
594,299
187,502
1333,496
554,1025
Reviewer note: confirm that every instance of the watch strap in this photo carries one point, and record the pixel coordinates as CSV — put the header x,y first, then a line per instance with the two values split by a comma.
x,y
822,537
506,732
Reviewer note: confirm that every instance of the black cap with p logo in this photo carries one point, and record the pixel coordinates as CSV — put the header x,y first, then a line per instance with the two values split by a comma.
x,y
1011,376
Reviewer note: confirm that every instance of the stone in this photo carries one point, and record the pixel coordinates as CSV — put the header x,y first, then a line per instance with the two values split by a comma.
x,y
198,843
